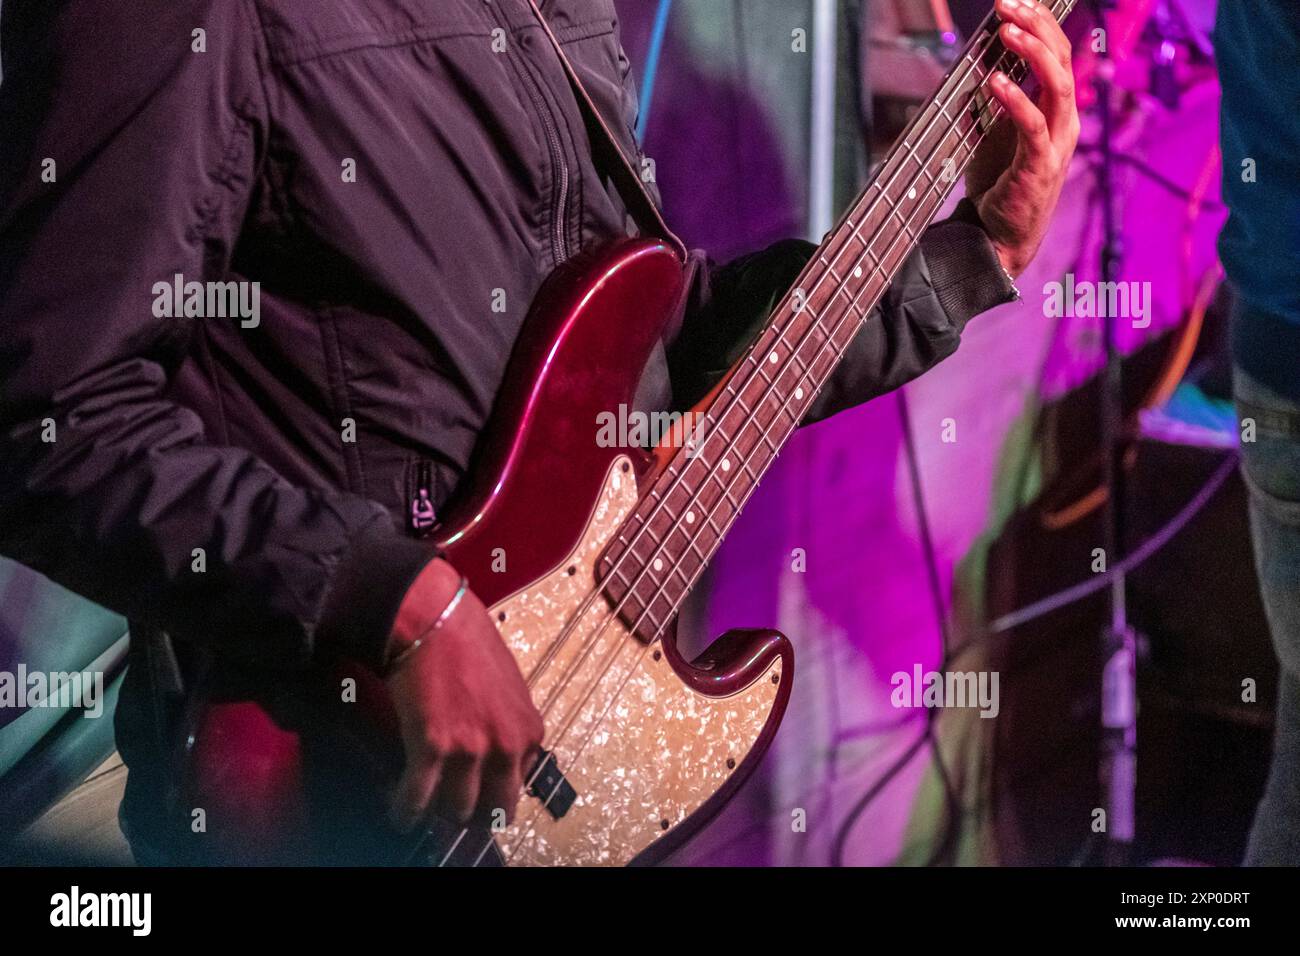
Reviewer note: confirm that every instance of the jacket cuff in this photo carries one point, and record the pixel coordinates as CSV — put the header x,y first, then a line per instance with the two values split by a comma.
x,y
367,589
965,271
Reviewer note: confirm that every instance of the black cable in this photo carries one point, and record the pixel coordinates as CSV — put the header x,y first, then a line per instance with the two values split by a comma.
x,y
931,560
923,521
931,557
846,828
1135,558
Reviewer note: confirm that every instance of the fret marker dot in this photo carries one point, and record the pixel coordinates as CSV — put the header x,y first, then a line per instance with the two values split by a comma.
x,y
690,517
911,193
659,565
798,393
726,465
772,358
857,273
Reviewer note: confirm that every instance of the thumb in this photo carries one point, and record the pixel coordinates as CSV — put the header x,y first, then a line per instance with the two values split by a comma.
x,y
993,156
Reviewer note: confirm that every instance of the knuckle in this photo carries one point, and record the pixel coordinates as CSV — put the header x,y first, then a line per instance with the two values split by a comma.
x,y
473,745
523,742
536,730
458,745
507,746
433,743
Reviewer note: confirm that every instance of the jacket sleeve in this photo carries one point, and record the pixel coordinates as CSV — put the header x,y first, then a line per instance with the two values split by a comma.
x,y
106,486
951,277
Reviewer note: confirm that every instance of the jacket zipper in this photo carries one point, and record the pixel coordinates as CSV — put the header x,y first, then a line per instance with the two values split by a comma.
x,y
559,170
560,250
559,214
423,516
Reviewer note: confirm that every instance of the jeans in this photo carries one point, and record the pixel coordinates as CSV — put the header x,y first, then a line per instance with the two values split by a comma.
x,y
1271,466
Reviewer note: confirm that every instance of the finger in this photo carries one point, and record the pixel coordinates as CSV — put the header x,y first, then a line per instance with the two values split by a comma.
x,y
1035,143
459,787
1036,19
415,789
503,782
1057,82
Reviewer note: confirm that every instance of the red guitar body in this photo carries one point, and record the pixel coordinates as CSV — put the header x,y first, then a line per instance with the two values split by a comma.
x,y
646,746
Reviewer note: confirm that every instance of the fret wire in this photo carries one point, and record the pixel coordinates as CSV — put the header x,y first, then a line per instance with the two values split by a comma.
x,y
672,567
725,488
650,530
654,619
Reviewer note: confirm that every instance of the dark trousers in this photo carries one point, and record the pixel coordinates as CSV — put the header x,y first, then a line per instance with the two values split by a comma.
x,y
1271,465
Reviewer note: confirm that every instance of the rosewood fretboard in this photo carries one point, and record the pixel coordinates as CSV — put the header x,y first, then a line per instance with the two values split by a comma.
x,y
666,543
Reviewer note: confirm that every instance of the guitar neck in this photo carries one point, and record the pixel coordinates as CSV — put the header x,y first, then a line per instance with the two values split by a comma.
x,y
769,392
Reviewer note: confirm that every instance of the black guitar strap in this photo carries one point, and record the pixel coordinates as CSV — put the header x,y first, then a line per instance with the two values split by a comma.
x,y
629,184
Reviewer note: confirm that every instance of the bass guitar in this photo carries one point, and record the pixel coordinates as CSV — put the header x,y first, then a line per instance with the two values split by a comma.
x,y
604,544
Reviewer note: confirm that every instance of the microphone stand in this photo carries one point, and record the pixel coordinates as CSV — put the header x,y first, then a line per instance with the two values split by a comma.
x,y
1118,757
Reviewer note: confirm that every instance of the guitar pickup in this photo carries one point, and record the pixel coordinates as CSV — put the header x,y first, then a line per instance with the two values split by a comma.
x,y
550,786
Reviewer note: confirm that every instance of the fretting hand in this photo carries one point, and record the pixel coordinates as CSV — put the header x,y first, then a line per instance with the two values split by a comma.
x,y
1017,173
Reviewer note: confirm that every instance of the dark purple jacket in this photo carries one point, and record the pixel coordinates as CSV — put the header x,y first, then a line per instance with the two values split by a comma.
x,y
293,453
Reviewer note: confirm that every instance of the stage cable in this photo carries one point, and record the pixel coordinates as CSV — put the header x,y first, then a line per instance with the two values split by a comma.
x,y
941,617
954,811
1135,558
